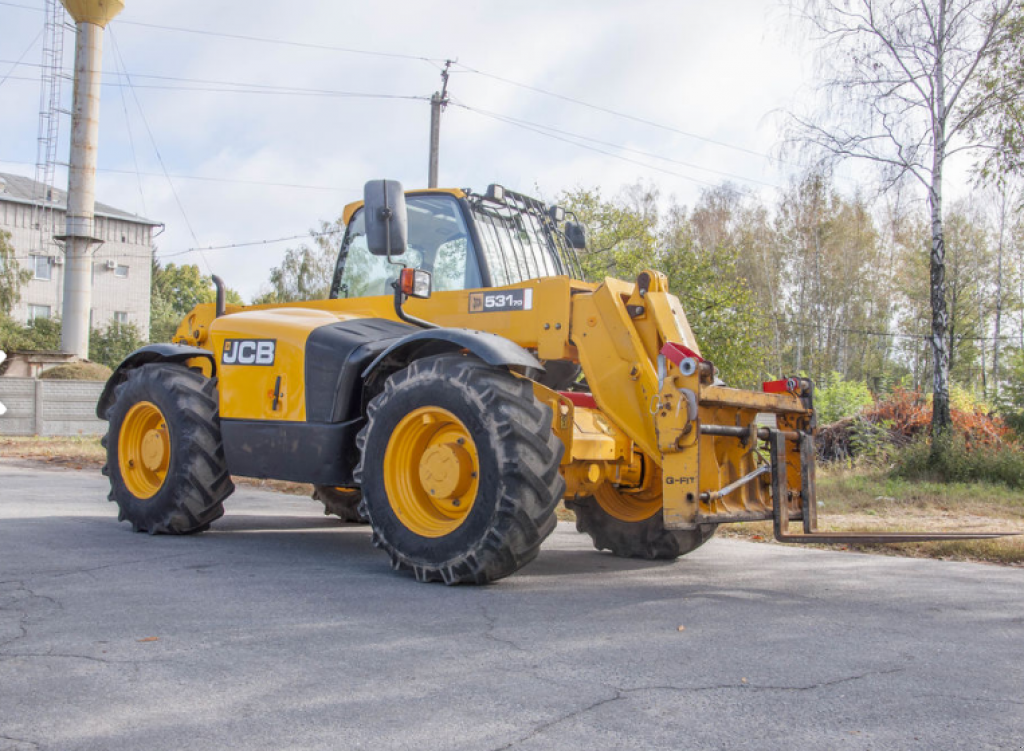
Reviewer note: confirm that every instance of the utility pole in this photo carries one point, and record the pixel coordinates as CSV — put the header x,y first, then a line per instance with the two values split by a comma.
x,y
437,104
91,17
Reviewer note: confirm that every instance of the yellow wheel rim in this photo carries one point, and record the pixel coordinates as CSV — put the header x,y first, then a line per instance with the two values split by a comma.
x,y
431,472
633,505
144,449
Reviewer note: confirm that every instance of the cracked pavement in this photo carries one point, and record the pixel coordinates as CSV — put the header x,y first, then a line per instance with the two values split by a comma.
x,y
282,628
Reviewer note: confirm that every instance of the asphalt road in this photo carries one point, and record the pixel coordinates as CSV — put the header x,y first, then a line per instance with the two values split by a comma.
x,y
282,629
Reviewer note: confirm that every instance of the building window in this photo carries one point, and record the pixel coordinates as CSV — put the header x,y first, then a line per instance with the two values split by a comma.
x,y
120,317
38,311
121,272
43,267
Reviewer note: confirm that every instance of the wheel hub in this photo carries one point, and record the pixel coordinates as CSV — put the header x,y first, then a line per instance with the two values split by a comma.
x,y
144,449
633,504
431,471
154,448
445,471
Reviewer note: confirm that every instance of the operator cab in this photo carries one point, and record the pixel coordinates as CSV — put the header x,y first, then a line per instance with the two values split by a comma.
x,y
465,241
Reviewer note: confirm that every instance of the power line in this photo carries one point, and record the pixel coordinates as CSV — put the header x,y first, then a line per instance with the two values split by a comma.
x,y
869,332
516,121
283,42
466,68
536,127
159,158
18,61
250,38
131,143
178,176
234,87
546,134
251,243
616,113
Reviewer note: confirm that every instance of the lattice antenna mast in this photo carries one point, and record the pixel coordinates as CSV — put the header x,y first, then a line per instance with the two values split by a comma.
x,y
49,123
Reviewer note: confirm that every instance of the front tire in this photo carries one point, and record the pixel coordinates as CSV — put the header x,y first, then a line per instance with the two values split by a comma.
x,y
165,458
459,470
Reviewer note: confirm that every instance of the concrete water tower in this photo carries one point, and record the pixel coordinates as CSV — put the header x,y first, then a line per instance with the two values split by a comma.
x,y
91,17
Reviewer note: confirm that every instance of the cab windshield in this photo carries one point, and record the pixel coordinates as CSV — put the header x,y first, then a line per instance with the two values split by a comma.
x,y
438,242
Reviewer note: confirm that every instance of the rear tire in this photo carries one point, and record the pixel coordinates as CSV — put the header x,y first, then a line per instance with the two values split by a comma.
x,y
459,470
165,458
630,524
340,502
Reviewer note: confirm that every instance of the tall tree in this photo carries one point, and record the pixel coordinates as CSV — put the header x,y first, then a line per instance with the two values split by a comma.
x,y
174,291
1005,201
12,276
967,291
306,272
702,253
699,253
903,85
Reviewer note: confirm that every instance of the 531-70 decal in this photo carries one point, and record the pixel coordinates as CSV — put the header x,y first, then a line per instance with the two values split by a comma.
x,y
494,302
249,351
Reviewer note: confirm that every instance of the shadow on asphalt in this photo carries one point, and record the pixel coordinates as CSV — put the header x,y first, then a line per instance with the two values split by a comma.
x,y
336,541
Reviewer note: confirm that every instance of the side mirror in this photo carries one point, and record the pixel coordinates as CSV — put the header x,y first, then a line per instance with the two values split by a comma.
x,y
575,235
387,223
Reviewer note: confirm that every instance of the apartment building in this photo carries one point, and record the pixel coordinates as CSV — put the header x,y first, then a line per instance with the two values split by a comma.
x,y
122,260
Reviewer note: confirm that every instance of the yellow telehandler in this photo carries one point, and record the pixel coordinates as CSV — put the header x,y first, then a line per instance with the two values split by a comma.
x,y
458,383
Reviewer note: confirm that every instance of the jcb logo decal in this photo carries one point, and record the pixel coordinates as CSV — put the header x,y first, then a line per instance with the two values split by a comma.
x,y
248,351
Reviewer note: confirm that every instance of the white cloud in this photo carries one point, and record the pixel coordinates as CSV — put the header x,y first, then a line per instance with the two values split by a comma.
x,y
705,68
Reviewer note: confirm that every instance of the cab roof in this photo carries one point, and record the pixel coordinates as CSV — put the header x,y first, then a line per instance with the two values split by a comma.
x,y
352,208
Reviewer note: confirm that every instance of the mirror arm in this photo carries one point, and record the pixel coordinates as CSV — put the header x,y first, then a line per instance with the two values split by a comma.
x,y
402,315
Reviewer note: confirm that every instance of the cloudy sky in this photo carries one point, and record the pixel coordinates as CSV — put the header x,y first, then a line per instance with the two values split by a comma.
x,y
257,100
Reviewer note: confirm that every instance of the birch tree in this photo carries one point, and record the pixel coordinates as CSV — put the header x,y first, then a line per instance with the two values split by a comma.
x,y
903,90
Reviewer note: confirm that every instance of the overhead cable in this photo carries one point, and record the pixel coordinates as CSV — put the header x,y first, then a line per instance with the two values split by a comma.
x,y
616,113
18,62
179,176
525,123
250,243
465,68
156,149
250,38
547,134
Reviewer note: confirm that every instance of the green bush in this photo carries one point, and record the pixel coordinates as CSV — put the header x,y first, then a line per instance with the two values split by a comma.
x,y
836,398
870,442
952,461
111,345
39,334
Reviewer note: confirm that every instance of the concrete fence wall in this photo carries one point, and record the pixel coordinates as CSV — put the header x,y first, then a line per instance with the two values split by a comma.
x,y
46,407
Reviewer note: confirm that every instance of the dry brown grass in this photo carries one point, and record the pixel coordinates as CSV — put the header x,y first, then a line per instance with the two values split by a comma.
x,y
85,452
76,452
870,501
854,500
